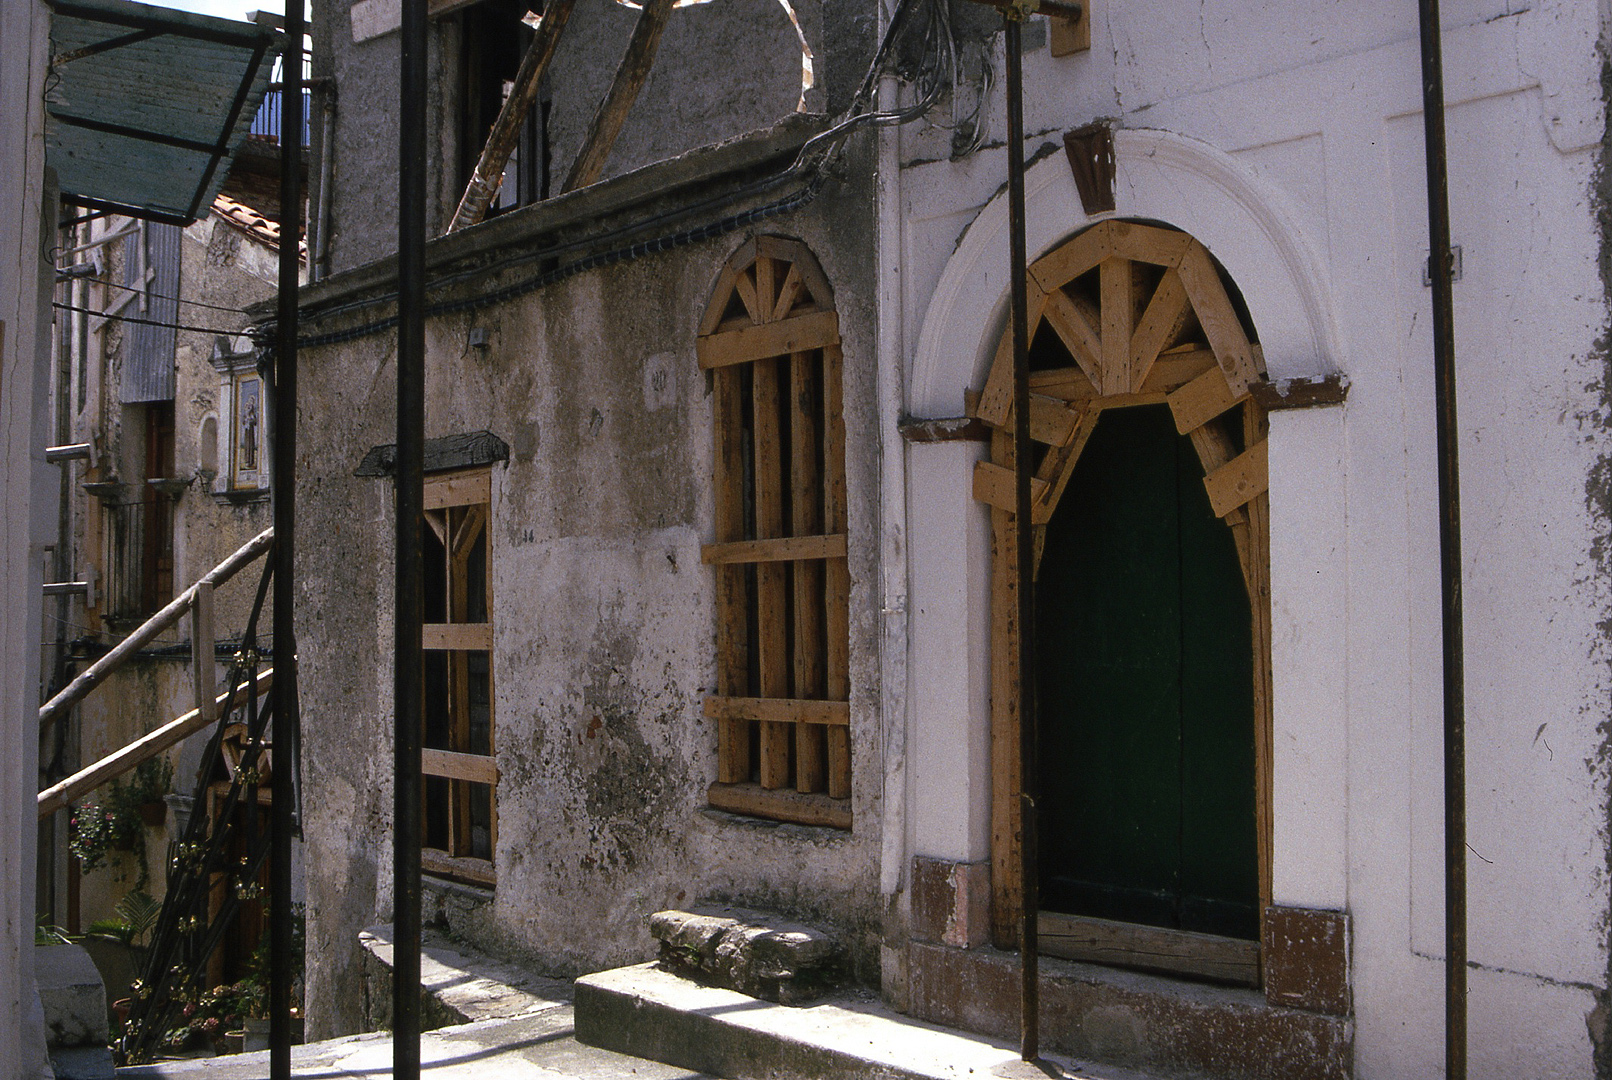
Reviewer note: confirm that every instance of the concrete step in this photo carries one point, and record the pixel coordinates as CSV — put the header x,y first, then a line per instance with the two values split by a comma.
x,y
536,1046
649,1012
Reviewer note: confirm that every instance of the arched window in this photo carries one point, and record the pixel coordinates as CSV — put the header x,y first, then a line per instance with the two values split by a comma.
x,y
1153,615
770,341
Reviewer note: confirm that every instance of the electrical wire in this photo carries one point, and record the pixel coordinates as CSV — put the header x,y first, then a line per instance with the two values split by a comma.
x,y
172,299
57,304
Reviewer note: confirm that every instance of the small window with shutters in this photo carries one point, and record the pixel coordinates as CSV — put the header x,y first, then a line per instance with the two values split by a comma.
x,y
770,343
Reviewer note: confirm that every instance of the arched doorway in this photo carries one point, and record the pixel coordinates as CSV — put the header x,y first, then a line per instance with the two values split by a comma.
x,y
1153,615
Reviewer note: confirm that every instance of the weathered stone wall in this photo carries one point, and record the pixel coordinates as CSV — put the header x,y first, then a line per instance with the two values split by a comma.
x,y
603,615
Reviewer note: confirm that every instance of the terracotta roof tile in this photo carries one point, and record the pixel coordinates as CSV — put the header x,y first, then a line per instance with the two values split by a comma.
x,y
253,223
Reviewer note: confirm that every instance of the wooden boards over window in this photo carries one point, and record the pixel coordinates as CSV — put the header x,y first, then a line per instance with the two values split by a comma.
x,y
461,777
770,343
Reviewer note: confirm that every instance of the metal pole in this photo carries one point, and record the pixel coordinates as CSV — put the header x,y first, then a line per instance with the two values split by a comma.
x,y
1449,493
287,738
408,690
1024,554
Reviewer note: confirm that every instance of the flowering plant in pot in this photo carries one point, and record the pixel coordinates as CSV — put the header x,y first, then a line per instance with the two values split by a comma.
x,y
117,822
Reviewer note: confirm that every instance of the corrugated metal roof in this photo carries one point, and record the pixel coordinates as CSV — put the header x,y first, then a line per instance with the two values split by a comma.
x,y
148,358
145,105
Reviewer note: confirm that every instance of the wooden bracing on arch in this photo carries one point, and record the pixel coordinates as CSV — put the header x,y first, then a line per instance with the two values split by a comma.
x,y
770,340
1147,318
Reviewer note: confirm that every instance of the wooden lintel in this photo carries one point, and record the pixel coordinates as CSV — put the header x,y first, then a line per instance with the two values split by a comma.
x,y
1310,393
465,489
945,429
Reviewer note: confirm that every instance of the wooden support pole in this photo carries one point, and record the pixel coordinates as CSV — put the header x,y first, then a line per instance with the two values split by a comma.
x,y
612,114
489,172
97,672
201,649
149,746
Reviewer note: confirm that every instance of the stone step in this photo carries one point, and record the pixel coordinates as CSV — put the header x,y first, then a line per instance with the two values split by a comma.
x,y
650,1012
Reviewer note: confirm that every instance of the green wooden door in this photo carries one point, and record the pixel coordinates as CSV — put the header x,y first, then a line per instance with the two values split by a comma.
x,y
1145,683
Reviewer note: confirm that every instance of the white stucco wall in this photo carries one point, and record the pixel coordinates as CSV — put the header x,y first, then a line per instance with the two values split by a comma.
x,y
1288,139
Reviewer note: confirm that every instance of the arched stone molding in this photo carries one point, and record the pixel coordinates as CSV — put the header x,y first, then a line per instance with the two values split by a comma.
x,y
1250,227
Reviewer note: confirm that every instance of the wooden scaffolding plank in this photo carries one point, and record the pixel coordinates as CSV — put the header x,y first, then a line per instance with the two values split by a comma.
x,y
732,601
721,292
1256,428
993,485
772,606
752,801
1077,325
766,288
1068,384
788,710
799,333
996,396
783,549
1242,478
1068,261
806,511
1166,313
618,100
1118,316
1219,319
457,636
788,293
1174,369
1148,243
1005,894
837,572
745,286
453,765
800,258
1202,399
458,580
458,489
1059,465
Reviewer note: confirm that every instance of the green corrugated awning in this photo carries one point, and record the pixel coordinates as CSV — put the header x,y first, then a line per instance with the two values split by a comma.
x,y
144,106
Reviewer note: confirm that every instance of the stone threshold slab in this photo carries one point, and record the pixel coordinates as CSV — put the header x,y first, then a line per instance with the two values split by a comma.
x,y
648,1012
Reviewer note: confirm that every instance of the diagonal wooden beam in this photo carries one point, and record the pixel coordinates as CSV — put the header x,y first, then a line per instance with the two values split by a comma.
x,y
612,114
489,171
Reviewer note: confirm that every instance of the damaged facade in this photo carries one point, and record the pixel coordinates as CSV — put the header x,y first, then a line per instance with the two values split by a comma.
x,y
715,615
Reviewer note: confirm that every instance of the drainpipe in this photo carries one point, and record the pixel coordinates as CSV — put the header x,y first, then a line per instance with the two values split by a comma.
x,y
1024,552
287,733
409,606
1440,269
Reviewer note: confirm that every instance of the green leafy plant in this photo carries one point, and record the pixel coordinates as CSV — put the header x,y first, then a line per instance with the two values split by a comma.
x,y
97,829
136,914
215,1012
50,934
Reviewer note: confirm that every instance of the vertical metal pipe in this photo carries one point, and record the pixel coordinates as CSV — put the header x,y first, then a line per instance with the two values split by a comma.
x,y
287,738
408,690
1449,494
1023,564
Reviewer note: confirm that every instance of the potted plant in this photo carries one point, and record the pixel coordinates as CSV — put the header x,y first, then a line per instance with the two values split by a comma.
x,y
117,945
119,820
